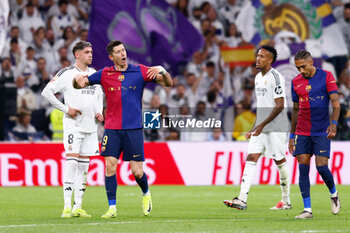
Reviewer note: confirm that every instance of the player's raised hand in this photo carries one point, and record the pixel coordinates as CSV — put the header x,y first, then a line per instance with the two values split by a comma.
x,y
331,131
73,113
99,117
291,146
152,72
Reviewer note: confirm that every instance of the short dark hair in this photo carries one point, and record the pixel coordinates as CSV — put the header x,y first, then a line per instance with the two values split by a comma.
x,y
346,6
61,2
14,40
272,50
29,48
80,46
111,45
210,64
302,54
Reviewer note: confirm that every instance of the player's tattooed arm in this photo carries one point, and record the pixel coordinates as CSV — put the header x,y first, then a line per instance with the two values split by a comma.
x,y
293,126
80,81
332,128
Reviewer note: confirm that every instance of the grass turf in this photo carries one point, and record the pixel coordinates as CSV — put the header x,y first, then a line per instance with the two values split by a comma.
x,y
176,209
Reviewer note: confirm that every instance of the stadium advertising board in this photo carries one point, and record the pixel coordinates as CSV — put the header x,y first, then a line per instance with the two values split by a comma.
x,y
174,163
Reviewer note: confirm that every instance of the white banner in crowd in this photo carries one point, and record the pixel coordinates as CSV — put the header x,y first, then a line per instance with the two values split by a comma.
x,y
4,12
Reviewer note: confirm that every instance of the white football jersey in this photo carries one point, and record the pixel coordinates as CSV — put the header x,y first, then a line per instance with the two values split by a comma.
x,y
268,88
88,100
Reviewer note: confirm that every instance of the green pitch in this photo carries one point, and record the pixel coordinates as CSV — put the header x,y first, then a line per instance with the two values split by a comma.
x,y
176,209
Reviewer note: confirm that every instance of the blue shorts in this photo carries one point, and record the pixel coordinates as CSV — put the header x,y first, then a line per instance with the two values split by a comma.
x,y
128,141
313,145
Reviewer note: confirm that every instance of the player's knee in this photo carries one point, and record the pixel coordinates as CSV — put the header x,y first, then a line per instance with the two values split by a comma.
x,y
253,157
138,173
321,161
110,169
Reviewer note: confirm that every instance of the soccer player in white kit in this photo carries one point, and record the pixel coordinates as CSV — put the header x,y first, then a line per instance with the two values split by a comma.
x,y
83,111
269,136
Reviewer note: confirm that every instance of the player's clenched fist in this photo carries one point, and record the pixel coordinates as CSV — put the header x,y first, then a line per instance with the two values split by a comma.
x,y
291,146
99,117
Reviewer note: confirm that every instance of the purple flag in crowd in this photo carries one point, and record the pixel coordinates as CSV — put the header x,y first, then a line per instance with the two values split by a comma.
x,y
152,31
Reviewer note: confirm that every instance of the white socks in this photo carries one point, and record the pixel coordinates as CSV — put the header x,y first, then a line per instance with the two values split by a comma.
x,y
69,177
284,181
80,182
334,194
248,174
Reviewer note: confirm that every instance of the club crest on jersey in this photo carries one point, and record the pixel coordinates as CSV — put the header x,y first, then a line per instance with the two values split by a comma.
x,y
121,78
308,88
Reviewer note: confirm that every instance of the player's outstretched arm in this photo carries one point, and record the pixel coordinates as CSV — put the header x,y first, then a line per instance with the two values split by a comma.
x,y
80,81
332,128
294,125
161,76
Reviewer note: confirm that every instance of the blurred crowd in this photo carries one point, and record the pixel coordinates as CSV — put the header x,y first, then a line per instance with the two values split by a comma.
x,y
39,42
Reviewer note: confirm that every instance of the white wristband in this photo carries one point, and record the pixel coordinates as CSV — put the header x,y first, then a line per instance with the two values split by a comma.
x,y
161,69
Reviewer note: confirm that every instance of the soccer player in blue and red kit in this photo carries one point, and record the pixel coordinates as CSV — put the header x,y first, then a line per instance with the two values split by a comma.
x,y
312,128
123,85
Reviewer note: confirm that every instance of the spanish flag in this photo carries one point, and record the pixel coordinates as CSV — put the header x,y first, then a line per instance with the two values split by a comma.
x,y
238,56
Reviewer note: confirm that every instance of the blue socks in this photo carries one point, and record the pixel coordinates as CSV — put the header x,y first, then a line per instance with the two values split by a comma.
x,y
143,183
111,189
327,178
304,184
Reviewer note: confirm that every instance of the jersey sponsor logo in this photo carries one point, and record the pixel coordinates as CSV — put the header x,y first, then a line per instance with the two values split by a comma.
x,y
151,119
130,88
260,91
108,73
121,78
311,98
113,89
278,90
308,88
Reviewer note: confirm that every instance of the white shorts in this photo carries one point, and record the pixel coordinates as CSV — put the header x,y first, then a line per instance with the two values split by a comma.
x,y
271,145
85,144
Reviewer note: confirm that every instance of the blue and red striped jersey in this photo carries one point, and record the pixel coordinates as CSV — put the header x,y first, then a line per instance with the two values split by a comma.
x,y
312,94
123,90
